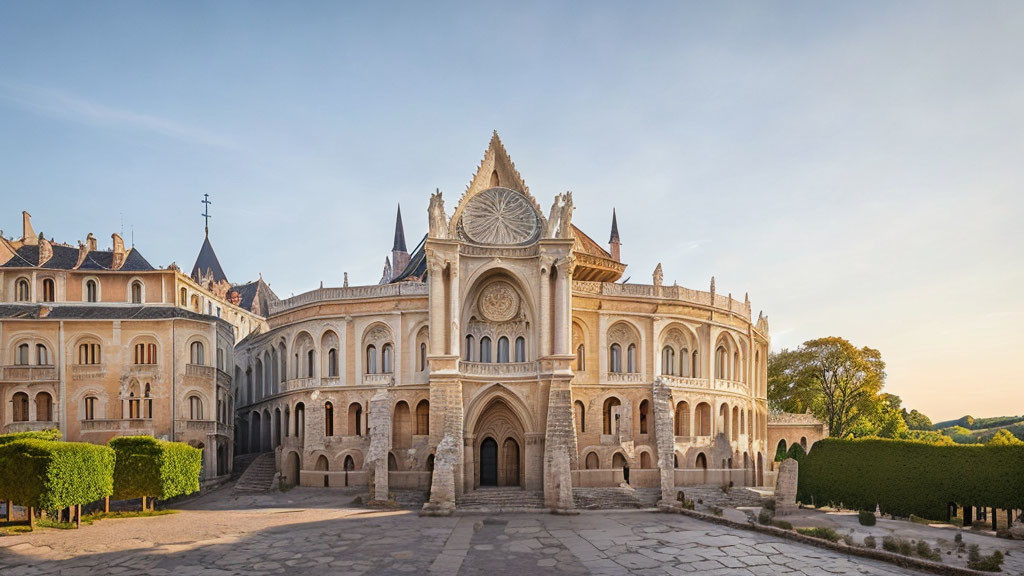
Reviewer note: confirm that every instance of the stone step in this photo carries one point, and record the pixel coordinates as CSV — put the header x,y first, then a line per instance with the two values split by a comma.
x,y
259,475
500,499
614,498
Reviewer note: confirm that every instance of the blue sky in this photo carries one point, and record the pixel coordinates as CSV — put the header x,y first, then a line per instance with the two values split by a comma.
x,y
856,167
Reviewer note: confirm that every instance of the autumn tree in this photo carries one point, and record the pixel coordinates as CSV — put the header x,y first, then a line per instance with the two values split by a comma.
x,y
837,381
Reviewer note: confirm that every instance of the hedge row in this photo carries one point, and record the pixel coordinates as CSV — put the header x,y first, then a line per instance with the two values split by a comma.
x,y
154,468
51,434
904,478
51,475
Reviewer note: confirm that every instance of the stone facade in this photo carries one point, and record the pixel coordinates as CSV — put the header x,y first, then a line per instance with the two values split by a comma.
x,y
504,353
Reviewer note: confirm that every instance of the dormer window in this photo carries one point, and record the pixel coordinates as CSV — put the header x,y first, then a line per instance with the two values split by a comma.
x,y
136,292
49,292
21,290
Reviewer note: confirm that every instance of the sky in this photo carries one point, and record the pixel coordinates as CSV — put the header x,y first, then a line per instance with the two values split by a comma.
x,y
857,167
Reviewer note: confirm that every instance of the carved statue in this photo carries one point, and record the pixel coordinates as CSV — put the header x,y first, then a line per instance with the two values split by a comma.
x,y
551,231
437,217
659,276
566,224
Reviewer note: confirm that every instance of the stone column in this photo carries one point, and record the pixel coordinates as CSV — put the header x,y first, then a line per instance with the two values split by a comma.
x,y
448,468
559,439
454,336
562,304
380,443
436,305
544,313
665,442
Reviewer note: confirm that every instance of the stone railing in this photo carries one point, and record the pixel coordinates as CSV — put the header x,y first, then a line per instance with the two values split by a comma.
x,y
677,293
679,381
793,419
500,251
87,371
299,384
142,370
330,381
144,426
385,379
223,379
197,371
349,293
34,426
498,369
201,426
28,373
730,386
625,378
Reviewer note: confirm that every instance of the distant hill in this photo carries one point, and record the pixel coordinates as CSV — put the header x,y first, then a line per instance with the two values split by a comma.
x,y
969,430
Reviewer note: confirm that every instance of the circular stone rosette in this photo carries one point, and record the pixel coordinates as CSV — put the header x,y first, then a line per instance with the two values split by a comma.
x,y
500,216
499,302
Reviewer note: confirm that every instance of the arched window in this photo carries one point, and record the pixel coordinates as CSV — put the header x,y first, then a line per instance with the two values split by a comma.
x,y
89,353
149,402
300,420
644,406
720,363
581,358
668,361
90,407
20,401
136,292
469,348
631,359
702,424
645,460
145,353
485,349
21,290
387,359
355,419
682,419
520,349
592,462
44,407
581,416
195,408
684,363
371,359
309,363
134,411
42,355
49,294
503,349
423,356
328,419
21,358
183,297
611,416
702,462
92,291
423,418
332,362
197,354
615,359
694,373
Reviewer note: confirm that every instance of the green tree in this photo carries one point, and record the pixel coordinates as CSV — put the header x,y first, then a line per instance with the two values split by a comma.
x,y
892,425
839,382
917,421
1004,438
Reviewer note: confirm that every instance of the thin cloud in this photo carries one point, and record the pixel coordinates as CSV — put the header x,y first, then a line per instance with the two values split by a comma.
x,y
57,104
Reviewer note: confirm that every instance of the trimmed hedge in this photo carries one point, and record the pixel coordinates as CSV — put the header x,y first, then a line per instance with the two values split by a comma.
x,y
53,475
904,478
155,468
796,452
51,434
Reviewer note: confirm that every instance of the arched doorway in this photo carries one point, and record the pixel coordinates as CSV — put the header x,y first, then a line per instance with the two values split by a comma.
x,y
489,462
323,466
349,466
510,462
292,466
619,462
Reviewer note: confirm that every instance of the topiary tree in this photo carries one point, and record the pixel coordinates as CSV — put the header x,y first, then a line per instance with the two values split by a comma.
x,y
151,468
51,434
796,452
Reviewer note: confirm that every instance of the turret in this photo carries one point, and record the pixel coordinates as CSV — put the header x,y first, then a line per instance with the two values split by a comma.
x,y
613,242
399,253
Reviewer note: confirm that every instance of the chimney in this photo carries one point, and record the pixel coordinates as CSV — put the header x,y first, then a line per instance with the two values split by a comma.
x,y
613,242
90,241
28,235
119,254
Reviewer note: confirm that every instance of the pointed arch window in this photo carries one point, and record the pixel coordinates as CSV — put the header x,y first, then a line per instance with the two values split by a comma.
x,y
520,349
332,362
149,402
485,349
503,349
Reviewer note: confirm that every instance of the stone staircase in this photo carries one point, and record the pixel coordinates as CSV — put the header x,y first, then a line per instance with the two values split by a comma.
x,y
706,496
241,463
258,476
507,499
614,498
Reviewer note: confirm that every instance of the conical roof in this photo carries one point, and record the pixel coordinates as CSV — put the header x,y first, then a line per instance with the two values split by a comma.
x,y
207,262
399,245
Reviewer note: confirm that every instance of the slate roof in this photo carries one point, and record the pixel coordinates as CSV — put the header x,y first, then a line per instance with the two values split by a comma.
x,y
207,262
65,258
34,311
417,266
258,292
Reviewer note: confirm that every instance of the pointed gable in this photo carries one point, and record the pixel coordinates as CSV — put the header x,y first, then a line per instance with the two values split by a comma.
x,y
207,263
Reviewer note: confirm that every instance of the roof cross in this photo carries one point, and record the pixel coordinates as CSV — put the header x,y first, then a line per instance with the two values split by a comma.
x,y
206,212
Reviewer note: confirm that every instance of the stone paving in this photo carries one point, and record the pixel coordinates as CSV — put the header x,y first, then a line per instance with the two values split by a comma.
x,y
310,529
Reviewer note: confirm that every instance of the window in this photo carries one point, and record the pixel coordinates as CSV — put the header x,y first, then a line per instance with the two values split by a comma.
x,y
145,353
90,408
42,355
469,348
387,359
149,402
503,349
133,406
631,359
220,358
581,417
520,349
21,359
682,419
328,419
423,418
91,291
183,297
88,353
197,354
693,366
371,359
332,362
485,349
423,356
309,363
195,408
611,416
21,290
615,359
668,361
643,416
136,292
44,407
581,358
20,407
49,293
355,420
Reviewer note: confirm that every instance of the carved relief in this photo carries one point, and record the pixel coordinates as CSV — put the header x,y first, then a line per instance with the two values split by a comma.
x,y
499,216
499,302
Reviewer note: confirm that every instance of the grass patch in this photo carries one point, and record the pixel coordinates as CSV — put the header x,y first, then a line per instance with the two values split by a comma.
x,y
90,518
823,533
50,523
12,530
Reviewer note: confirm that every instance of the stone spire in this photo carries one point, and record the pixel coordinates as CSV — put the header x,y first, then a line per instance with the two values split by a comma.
x,y
613,241
399,253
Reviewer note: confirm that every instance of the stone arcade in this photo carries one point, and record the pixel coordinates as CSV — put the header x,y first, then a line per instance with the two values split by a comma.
x,y
502,352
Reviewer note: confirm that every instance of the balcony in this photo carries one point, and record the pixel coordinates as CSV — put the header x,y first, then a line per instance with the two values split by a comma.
x,y
28,374
28,426
499,369
119,425
681,382
201,426
731,386
223,379
142,371
299,384
207,373
625,378
386,379
87,372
